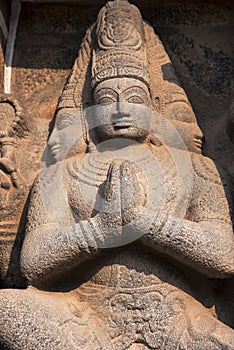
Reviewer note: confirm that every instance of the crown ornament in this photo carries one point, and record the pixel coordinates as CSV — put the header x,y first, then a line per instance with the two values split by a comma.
x,y
119,49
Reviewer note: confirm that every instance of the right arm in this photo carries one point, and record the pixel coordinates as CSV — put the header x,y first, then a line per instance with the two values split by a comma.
x,y
50,252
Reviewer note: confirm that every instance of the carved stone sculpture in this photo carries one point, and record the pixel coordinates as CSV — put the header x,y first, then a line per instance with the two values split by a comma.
x,y
12,187
126,213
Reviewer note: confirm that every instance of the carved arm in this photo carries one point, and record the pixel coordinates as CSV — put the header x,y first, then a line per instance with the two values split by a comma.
x,y
49,253
205,248
205,240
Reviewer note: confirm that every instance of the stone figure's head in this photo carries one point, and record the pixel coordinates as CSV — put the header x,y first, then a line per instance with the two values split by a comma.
x,y
11,118
67,137
120,78
7,115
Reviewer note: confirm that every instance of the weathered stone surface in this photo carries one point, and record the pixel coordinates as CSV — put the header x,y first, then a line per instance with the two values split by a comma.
x,y
128,231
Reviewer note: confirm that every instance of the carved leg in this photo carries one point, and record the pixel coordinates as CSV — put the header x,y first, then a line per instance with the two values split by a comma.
x,y
33,320
204,331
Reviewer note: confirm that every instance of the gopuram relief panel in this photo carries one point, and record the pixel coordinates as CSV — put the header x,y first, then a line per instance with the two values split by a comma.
x,y
116,212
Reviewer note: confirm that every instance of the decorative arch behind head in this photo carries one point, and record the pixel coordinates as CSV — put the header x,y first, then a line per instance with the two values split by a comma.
x,y
168,97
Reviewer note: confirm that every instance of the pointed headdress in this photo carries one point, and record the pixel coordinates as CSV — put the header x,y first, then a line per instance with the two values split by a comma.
x,y
119,49
121,44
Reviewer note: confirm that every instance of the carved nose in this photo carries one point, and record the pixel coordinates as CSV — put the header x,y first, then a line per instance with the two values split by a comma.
x,y
53,139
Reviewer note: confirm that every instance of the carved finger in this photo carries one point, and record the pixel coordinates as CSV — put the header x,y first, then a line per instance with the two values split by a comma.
x,y
133,189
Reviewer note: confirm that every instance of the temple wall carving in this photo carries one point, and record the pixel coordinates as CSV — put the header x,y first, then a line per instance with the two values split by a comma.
x,y
66,60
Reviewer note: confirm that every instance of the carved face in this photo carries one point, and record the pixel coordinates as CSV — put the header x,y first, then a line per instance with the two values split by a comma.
x,y
67,133
191,135
7,115
123,95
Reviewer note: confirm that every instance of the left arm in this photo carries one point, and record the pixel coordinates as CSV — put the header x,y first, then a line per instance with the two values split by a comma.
x,y
206,248
204,241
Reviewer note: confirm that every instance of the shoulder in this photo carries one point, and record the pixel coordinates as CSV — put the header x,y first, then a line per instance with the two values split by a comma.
x,y
55,173
205,169
210,192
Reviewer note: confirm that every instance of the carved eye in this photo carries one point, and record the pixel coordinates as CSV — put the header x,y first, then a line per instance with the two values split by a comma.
x,y
135,99
105,101
64,124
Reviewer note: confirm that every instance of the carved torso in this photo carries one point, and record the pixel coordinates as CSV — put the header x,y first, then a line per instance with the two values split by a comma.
x,y
129,285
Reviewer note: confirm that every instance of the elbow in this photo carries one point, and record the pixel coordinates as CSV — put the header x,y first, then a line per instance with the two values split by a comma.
x,y
31,263
220,260
224,272
27,267
223,268
34,272
226,262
